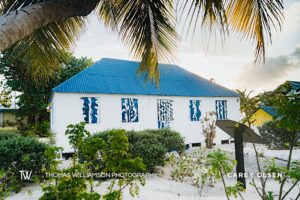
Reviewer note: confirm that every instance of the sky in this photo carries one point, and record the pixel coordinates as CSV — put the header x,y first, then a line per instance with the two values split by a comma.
x,y
229,63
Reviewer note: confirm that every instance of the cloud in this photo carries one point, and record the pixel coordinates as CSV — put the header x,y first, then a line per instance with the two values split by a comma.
x,y
271,73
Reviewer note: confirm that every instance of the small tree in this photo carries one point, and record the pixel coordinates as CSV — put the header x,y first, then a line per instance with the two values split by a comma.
x,y
209,128
276,137
114,158
286,101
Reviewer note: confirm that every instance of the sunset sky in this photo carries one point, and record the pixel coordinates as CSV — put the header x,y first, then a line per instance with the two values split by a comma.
x,y
230,63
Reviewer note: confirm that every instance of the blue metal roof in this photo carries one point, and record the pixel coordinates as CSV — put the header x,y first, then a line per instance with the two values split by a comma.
x,y
295,85
113,76
269,109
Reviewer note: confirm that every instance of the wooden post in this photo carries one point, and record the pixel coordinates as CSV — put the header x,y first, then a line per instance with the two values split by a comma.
x,y
239,155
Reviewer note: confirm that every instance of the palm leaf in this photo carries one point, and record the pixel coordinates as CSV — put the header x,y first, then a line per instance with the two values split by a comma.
x,y
204,13
254,19
45,48
148,28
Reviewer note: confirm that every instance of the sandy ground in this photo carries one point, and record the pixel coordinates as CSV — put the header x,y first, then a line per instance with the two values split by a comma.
x,y
162,188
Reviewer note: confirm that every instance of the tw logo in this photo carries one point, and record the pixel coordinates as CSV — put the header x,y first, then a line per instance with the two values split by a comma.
x,y
25,175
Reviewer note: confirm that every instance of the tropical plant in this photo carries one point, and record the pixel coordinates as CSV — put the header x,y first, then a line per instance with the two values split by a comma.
x,y
275,136
220,164
193,169
248,106
38,31
21,153
209,129
151,145
114,157
286,100
35,90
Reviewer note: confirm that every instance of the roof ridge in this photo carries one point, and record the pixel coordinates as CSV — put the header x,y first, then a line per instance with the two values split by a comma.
x,y
116,76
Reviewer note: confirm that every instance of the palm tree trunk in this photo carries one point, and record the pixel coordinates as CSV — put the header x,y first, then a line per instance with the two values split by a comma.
x,y
18,24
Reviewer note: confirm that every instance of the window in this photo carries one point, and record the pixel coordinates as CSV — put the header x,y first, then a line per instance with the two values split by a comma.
x,y
195,112
164,113
130,110
90,110
221,109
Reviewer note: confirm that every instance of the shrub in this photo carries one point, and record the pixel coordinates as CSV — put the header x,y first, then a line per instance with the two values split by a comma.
x,y
171,140
7,135
8,123
22,153
114,156
41,129
276,137
150,145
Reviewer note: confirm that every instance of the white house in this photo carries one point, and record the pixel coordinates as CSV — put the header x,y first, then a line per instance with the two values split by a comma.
x,y
109,95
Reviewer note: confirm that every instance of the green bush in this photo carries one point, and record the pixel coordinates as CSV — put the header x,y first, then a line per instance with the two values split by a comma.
x,y
22,153
115,159
150,145
276,137
41,129
171,140
8,135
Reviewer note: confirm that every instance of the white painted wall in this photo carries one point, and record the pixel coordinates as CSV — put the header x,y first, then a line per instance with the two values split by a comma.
x,y
67,109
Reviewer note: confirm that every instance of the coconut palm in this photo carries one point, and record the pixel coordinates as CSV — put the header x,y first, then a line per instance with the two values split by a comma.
x,y
39,30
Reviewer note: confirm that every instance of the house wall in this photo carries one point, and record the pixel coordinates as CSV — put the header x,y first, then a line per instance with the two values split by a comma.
x,y
67,109
8,116
260,117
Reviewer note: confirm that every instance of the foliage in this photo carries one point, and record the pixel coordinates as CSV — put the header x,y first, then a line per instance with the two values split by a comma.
x,y
209,129
248,105
7,123
183,168
294,171
220,163
286,101
8,135
114,157
22,153
235,190
150,145
41,129
149,148
148,27
34,98
76,134
187,169
276,137
170,139
273,168
69,188
201,168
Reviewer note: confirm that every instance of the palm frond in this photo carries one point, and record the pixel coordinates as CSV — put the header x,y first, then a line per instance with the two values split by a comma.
x,y
254,20
10,5
204,13
107,13
148,28
46,47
